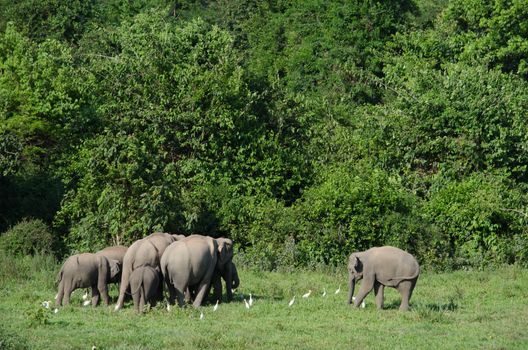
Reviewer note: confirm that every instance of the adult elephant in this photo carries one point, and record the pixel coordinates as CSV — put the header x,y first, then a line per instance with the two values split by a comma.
x,y
144,252
83,271
191,263
380,267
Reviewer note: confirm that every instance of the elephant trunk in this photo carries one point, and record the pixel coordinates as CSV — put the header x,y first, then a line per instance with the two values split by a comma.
x,y
352,284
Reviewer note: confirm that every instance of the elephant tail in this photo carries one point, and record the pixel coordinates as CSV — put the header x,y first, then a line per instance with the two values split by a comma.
x,y
59,275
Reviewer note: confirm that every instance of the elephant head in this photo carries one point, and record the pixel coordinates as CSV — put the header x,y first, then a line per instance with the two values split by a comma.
x,y
355,273
225,266
225,252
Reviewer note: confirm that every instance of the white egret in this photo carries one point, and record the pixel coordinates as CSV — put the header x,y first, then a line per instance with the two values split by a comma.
x,y
247,304
216,305
168,307
292,301
87,302
201,315
324,292
85,295
250,300
338,290
306,295
55,311
46,304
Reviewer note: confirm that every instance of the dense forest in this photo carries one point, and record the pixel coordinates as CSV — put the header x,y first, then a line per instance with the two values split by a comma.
x,y
302,129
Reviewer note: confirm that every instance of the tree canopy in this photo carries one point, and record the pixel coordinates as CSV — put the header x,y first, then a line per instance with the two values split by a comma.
x,y
303,130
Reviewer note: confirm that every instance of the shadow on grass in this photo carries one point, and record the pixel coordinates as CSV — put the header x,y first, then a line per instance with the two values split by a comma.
x,y
451,305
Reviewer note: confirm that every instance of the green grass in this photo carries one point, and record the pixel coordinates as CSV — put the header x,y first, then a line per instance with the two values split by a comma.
x,y
474,310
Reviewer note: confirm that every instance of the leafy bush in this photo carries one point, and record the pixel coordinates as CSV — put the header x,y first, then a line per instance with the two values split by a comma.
x,y
28,237
478,219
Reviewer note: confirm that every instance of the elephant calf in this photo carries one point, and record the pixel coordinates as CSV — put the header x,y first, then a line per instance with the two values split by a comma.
x,y
144,284
83,271
380,267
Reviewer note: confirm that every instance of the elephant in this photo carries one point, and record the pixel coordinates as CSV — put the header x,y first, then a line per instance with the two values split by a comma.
x,y
216,283
83,271
221,272
116,253
144,252
191,263
380,267
144,283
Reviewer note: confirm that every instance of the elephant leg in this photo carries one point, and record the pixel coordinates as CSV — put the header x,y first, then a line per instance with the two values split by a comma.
x,y
159,292
366,287
378,291
142,298
136,299
405,288
103,291
217,287
60,293
68,289
200,294
172,291
95,296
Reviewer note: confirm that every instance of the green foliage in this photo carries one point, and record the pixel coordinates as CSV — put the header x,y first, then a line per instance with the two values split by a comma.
x,y
353,208
28,237
302,129
477,218
60,19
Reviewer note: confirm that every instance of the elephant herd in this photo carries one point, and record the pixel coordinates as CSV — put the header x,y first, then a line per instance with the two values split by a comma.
x,y
190,265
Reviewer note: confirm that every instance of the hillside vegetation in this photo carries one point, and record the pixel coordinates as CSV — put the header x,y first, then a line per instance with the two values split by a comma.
x,y
304,130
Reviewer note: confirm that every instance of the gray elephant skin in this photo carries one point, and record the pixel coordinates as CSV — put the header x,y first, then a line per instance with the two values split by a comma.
x,y
144,252
83,271
381,267
226,273
191,263
116,253
144,285
216,283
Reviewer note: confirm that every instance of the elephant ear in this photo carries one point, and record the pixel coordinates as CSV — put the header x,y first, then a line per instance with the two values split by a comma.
x,y
115,268
225,249
358,265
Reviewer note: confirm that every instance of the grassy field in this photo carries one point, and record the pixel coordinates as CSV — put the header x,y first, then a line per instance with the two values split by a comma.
x,y
473,310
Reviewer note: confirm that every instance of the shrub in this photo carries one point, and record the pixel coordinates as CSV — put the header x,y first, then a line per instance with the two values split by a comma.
x,y
28,237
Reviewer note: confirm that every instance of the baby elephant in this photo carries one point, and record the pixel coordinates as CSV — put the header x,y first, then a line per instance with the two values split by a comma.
x,y
380,267
144,284
83,271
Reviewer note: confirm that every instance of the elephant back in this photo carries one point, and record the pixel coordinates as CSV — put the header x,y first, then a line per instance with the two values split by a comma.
x,y
114,253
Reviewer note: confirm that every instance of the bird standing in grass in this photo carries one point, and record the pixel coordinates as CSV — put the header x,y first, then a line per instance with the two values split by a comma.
x,y
324,292
247,304
201,315
216,306
338,290
85,295
250,300
306,295
292,301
